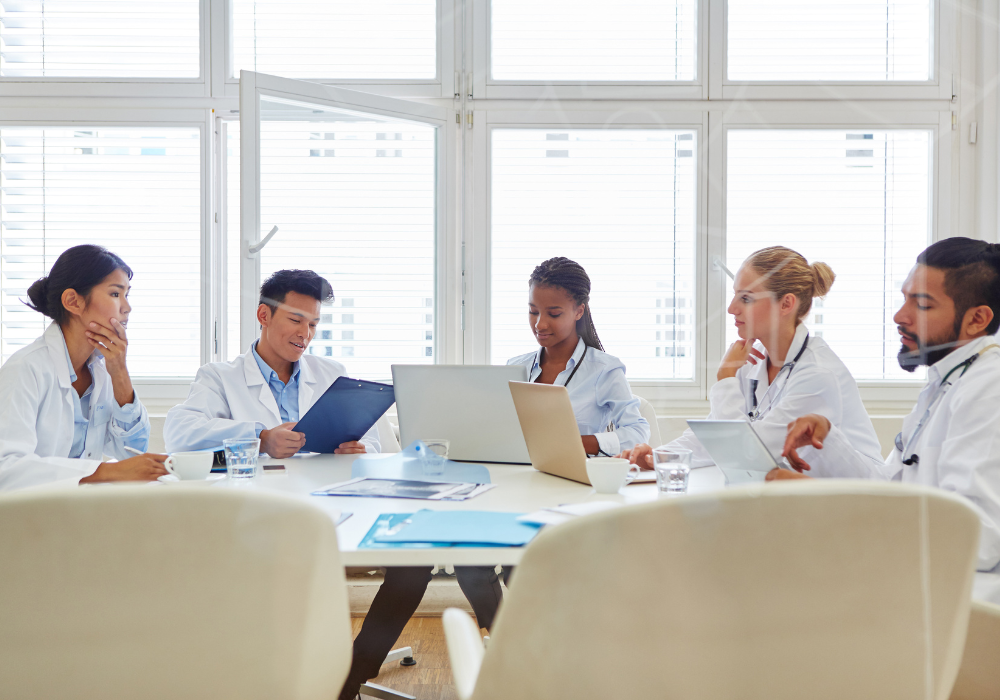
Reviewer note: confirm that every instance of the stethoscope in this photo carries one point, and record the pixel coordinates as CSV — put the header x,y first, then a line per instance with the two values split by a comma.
x,y
942,389
755,411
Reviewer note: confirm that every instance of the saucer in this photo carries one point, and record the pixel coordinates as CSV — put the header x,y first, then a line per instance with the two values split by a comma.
x,y
211,479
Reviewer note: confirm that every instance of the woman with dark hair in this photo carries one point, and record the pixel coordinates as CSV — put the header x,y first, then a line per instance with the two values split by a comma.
x,y
66,400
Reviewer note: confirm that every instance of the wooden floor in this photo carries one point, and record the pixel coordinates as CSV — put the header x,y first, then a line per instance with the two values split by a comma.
x,y
430,679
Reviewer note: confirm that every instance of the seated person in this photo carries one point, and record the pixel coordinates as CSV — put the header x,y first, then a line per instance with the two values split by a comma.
x,y
790,372
264,391
948,322
66,399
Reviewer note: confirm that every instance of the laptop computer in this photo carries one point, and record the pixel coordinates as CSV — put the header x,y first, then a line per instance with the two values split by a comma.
x,y
469,405
550,430
736,449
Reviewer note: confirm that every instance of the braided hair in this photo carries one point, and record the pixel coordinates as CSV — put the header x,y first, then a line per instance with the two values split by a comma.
x,y
573,279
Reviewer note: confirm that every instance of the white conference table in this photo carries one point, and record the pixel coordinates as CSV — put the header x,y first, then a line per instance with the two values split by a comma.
x,y
519,489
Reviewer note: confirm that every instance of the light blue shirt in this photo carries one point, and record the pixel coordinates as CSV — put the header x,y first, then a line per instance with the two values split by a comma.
x,y
600,395
125,417
285,395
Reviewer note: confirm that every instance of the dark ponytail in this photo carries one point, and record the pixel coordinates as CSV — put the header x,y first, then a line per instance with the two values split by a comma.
x,y
79,268
571,277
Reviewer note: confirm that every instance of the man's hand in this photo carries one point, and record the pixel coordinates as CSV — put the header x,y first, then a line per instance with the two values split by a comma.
x,y
739,353
807,430
147,467
350,448
112,342
777,474
282,441
640,455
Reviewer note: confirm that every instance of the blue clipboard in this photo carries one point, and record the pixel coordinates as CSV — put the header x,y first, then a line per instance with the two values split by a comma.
x,y
345,412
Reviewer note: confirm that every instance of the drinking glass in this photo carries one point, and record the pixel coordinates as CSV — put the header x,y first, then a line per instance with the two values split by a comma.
x,y
437,453
241,457
673,466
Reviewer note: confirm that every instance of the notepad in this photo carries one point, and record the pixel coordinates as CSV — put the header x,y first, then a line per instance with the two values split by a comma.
x,y
452,527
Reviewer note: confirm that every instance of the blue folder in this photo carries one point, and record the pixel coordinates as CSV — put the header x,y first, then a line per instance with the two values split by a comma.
x,y
345,412
461,527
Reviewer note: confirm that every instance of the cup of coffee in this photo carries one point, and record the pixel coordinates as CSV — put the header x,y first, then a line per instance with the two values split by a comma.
x,y
608,474
189,465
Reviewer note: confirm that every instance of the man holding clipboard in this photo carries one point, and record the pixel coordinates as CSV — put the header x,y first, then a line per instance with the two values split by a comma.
x,y
265,391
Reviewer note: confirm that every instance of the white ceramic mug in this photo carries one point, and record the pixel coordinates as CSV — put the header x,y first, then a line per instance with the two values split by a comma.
x,y
189,465
608,474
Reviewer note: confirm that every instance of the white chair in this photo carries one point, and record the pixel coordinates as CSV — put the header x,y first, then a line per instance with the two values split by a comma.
x,y
823,590
170,592
647,412
386,435
979,675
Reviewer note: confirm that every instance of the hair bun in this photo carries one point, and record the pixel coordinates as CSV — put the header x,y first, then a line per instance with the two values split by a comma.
x,y
823,278
38,293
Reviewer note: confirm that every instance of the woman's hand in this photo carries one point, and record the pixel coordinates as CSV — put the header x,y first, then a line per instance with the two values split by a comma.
x,y
739,353
147,467
640,455
112,342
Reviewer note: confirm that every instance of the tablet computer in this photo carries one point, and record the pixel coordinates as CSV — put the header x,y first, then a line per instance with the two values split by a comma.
x,y
736,449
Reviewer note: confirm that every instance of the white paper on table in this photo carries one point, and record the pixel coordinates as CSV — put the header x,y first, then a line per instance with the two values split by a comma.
x,y
564,513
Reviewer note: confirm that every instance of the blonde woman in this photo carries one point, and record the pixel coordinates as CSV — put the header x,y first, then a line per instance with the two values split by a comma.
x,y
777,370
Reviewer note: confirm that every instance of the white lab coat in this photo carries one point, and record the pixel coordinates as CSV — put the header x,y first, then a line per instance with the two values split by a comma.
x,y
36,417
958,449
819,383
232,400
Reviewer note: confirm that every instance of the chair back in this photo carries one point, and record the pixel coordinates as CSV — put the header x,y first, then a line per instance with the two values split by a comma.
x,y
782,591
386,435
647,412
979,674
170,592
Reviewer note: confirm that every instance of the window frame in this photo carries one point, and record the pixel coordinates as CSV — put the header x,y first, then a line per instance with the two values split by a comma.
x,y
447,308
478,243
444,84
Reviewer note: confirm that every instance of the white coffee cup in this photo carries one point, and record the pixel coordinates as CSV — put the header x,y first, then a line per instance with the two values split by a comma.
x,y
189,465
608,474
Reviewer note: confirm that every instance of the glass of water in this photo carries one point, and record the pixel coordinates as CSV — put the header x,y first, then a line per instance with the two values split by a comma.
x,y
673,467
437,453
241,457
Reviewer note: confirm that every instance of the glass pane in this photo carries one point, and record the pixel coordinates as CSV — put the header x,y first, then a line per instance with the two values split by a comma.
x,y
569,40
829,40
354,198
99,38
135,191
858,200
622,204
232,233
336,39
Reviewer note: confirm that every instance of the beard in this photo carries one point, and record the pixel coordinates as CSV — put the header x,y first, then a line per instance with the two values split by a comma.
x,y
927,353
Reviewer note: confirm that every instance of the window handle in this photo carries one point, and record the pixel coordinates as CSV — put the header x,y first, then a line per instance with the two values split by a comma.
x,y
255,248
717,264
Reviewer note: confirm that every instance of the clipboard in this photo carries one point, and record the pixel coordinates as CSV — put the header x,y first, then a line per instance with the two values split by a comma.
x,y
345,412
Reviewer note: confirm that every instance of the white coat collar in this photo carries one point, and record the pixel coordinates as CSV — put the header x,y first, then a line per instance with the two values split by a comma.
x,y
797,340
939,369
571,363
59,354
254,378
759,370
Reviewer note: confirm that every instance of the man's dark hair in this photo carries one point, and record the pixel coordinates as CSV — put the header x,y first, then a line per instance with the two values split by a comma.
x,y
306,282
972,275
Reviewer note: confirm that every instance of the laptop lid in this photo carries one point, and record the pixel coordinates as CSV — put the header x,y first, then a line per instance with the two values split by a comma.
x,y
736,449
468,405
550,430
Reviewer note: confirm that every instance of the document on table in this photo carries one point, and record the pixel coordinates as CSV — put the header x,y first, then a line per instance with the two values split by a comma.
x,y
561,514
461,528
404,488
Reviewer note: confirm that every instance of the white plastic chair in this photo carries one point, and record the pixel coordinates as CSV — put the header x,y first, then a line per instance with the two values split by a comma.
x,y
647,412
386,435
979,675
828,589
170,592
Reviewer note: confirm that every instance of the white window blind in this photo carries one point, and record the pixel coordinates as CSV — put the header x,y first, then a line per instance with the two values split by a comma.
x,y
135,191
858,200
336,39
853,40
354,198
99,38
622,204
629,40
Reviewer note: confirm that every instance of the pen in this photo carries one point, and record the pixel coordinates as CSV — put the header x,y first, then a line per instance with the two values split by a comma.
x,y
133,450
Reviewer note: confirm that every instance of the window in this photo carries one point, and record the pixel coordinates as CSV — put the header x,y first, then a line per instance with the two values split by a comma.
x,y
365,223
864,40
564,40
106,39
621,202
856,199
336,39
135,191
